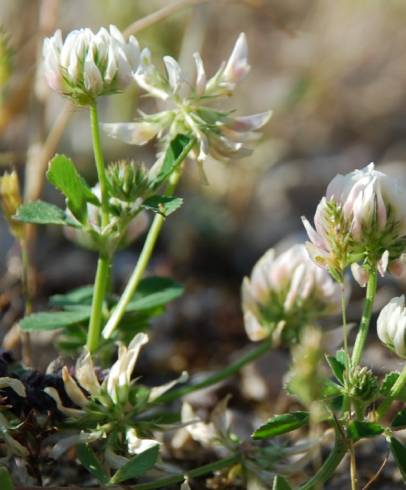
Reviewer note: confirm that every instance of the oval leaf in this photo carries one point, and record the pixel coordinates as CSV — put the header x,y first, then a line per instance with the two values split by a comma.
x,y
43,213
53,320
63,175
280,424
357,429
399,453
137,466
155,291
399,422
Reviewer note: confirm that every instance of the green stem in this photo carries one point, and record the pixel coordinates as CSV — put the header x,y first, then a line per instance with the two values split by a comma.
x,y
329,466
195,473
395,392
365,320
98,157
103,264
146,252
218,376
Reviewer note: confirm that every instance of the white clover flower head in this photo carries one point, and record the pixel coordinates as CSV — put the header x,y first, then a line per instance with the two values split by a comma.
x,y
285,292
391,326
363,213
217,133
87,65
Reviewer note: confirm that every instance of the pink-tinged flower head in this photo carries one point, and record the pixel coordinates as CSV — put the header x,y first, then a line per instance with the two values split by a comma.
x,y
217,133
87,65
284,292
391,326
361,218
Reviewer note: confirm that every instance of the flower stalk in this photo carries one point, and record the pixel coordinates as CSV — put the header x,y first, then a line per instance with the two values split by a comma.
x,y
221,375
366,318
103,264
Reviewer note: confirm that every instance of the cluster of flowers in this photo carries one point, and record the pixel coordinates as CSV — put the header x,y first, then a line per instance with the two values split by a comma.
x,y
88,65
361,222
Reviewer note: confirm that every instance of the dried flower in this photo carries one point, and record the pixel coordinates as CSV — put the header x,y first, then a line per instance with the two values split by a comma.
x,y
361,218
217,133
10,198
391,325
285,293
87,65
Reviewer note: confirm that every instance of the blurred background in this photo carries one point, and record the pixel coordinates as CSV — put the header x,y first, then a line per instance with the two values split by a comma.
x,y
332,72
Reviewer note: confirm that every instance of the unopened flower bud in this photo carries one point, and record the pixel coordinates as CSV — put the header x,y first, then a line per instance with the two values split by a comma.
x,y
363,384
391,325
87,65
10,201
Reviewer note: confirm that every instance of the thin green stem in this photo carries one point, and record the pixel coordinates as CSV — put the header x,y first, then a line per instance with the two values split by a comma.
x,y
99,160
218,376
103,264
353,468
365,320
195,473
347,401
395,392
329,466
146,252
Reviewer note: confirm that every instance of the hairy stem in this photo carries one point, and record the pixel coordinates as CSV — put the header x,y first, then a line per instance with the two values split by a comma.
x,y
146,253
329,466
365,320
219,375
103,264
195,473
